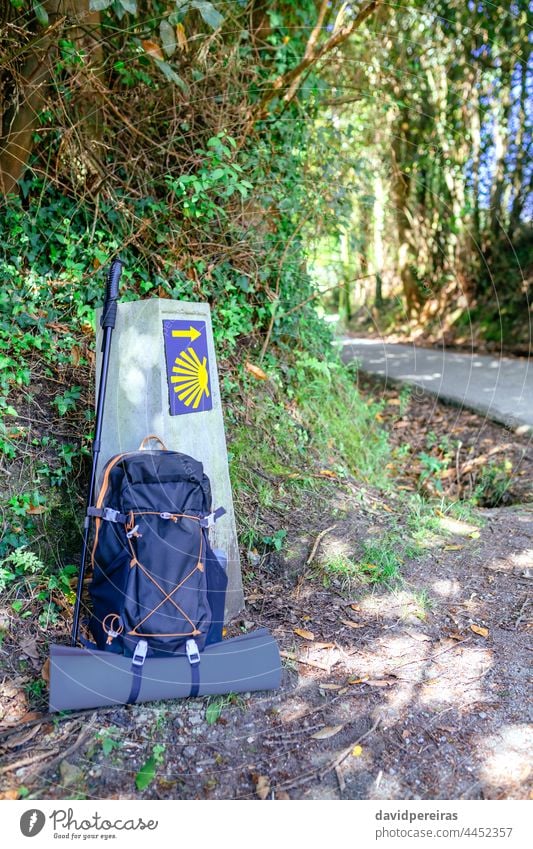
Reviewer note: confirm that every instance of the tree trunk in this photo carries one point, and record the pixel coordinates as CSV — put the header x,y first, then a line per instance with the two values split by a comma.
x,y
21,118
522,151
400,182
20,123
501,137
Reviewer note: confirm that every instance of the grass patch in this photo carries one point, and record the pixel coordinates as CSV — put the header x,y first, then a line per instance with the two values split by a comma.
x,y
299,435
379,564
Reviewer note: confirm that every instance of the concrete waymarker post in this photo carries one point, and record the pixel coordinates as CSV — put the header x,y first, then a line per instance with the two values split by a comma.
x,y
163,380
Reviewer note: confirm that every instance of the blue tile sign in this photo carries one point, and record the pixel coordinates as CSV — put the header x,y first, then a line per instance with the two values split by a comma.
x,y
188,378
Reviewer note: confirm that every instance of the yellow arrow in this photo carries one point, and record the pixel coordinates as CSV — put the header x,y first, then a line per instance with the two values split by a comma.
x,y
191,333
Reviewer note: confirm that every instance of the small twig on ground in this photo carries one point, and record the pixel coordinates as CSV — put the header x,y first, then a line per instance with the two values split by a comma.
x,y
291,656
333,765
25,761
61,756
433,656
521,611
344,754
317,542
48,717
340,778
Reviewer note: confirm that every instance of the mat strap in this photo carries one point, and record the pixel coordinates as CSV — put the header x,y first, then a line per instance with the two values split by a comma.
x,y
137,663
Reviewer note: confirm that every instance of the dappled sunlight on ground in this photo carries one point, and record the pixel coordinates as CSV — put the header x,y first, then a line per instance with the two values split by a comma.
x,y
507,756
522,559
447,587
456,680
413,690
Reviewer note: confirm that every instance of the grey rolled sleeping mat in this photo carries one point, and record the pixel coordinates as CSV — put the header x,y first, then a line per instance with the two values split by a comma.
x,y
88,678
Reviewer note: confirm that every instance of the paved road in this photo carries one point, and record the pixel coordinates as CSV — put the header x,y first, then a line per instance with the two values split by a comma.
x,y
499,387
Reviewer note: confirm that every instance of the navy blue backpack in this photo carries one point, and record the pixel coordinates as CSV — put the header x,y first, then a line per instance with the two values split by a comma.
x,y
157,588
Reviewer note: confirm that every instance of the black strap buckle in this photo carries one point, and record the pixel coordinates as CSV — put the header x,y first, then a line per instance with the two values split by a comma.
x,y
209,521
108,514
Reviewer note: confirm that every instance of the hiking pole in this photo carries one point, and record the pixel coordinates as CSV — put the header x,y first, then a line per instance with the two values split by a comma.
x,y
107,323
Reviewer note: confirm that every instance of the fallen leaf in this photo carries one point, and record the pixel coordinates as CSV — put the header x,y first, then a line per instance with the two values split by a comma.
x,y
478,629
327,731
153,50
256,371
355,607
327,473
455,636
262,786
351,624
357,751
181,37
306,635
453,547
75,355
29,648
474,535
31,715
329,686
357,681
36,509
343,691
282,794
254,597
394,402
45,671
13,793
456,526
324,646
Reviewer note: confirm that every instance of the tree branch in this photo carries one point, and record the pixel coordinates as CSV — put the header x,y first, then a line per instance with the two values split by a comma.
x,y
313,52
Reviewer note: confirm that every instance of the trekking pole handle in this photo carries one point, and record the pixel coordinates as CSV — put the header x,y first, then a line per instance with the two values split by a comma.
x,y
109,312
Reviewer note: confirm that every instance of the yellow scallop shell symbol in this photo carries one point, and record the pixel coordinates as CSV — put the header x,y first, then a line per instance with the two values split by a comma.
x,y
191,378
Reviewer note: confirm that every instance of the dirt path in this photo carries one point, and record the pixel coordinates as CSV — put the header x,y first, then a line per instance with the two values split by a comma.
x,y
411,700
414,688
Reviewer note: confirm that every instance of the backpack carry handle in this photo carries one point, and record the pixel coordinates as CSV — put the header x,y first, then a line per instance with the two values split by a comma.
x,y
142,446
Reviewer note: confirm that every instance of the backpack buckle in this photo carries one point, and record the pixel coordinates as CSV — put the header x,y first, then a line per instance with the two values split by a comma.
x,y
193,654
209,520
110,515
139,655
